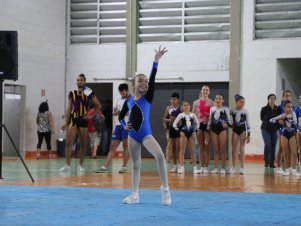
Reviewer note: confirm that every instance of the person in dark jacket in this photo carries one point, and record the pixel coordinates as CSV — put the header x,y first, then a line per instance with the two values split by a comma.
x,y
269,130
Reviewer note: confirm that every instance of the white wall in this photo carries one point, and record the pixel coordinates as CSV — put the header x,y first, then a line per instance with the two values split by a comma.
x,y
259,71
194,61
41,29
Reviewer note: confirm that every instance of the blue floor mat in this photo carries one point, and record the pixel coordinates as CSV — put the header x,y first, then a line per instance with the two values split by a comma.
x,y
66,206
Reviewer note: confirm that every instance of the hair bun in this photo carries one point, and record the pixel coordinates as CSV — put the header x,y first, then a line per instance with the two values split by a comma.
x,y
237,97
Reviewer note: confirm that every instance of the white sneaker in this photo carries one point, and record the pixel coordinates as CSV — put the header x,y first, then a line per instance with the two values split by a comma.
x,y
232,171
206,170
165,194
195,170
222,171
215,171
65,168
241,171
279,170
131,199
181,170
174,169
202,170
286,172
102,169
122,170
80,168
294,172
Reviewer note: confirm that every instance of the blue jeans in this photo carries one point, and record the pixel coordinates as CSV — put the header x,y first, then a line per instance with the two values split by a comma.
x,y
270,141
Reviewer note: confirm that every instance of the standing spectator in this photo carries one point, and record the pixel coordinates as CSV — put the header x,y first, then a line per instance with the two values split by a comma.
x,y
45,126
94,135
241,132
218,124
120,134
107,132
286,96
288,138
187,124
201,108
269,130
171,113
76,120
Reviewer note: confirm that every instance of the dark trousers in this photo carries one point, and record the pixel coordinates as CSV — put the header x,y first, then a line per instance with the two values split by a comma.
x,y
47,136
270,141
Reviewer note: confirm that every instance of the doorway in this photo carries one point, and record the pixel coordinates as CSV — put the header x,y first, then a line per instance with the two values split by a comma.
x,y
104,93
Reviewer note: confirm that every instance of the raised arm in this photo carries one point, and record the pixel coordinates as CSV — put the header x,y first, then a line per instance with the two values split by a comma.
x,y
151,84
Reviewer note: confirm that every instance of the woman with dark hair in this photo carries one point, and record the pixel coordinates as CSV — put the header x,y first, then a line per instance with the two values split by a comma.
x,y
45,126
269,130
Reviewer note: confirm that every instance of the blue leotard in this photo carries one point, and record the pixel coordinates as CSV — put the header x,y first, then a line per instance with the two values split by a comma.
x,y
139,110
298,114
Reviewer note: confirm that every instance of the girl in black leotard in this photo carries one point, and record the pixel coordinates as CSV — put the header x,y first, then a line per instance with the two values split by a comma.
x,y
288,137
187,123
241,132
218,123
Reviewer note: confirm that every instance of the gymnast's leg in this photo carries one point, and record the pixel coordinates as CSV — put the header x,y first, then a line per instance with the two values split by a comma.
x,y
135,153
154,148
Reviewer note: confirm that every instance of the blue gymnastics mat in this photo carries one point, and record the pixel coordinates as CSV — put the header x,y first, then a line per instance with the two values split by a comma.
x,y
20,205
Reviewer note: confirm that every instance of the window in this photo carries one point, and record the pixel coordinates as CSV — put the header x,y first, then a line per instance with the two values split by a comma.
x,y
277,19
97,21
183,20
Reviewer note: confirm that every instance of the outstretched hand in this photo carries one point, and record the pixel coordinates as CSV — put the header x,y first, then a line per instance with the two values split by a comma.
x,y
159,53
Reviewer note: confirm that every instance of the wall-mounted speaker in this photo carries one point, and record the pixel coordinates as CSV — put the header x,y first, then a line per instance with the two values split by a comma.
x,y
8,55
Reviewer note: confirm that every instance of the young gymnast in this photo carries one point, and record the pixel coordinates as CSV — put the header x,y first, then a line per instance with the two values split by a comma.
x,y
139,107
171,113
187,123
288,137
241,132
218,123
201,108
286,96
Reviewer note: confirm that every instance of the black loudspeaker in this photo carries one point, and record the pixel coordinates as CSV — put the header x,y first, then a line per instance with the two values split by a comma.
x,y
9,55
